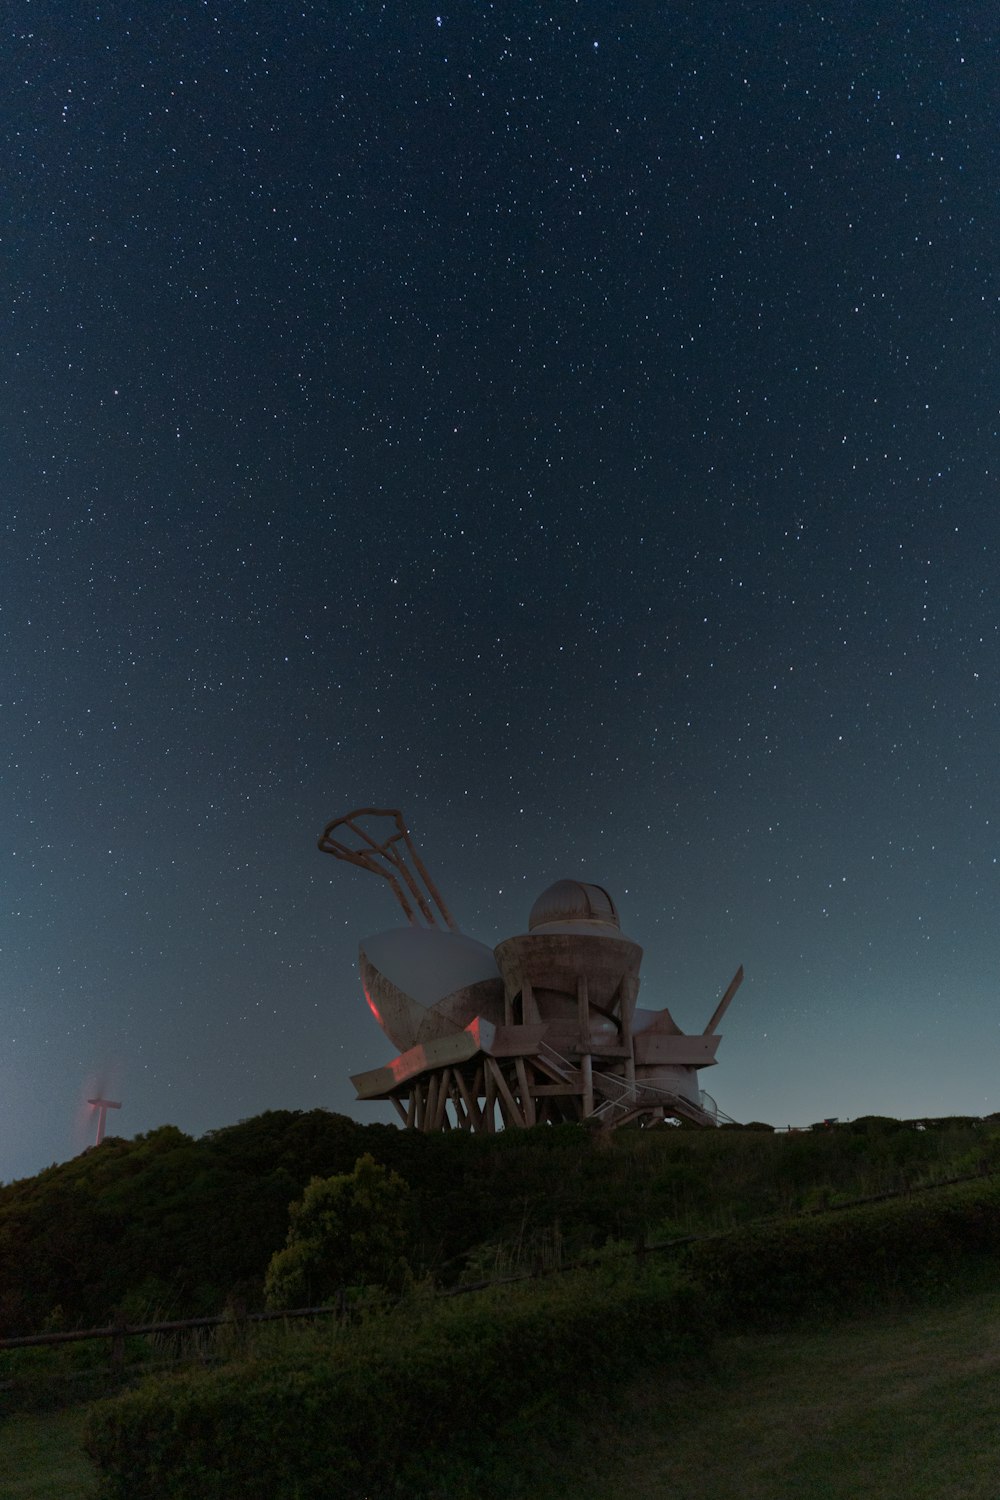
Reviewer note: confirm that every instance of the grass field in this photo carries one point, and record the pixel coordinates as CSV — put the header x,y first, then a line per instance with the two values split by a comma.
x,y
40,1457
902,1406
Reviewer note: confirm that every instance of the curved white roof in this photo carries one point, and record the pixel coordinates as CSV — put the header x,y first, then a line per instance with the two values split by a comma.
x,y
428,963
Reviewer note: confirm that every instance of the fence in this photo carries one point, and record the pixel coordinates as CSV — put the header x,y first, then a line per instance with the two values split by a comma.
x,y
118,1333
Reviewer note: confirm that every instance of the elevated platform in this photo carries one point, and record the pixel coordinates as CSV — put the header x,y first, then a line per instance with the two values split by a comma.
x,y
489,1077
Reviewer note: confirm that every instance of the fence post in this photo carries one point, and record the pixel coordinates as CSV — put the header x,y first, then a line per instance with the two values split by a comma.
x,y
118,1345
641,1249
236,1328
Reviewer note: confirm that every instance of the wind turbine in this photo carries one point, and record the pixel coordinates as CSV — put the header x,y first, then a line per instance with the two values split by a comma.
x,y
102,1106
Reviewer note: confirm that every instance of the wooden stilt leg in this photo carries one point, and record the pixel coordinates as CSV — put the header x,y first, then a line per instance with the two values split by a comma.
x,y
508,1102
441,1103
430,1107
474,1112
527,1099
490,1090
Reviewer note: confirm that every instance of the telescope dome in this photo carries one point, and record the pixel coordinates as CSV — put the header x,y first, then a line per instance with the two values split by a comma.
x,y
576,904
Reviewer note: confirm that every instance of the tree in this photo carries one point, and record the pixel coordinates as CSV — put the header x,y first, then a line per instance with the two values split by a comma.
x,y
348,1230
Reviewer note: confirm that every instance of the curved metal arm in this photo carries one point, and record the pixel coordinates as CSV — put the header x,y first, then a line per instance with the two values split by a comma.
x,y
388,858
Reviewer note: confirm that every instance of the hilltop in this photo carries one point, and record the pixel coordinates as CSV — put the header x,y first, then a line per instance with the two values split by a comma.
x,y
169,1226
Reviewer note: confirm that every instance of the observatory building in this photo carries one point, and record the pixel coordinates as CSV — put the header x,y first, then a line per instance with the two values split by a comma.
x,y
542,1029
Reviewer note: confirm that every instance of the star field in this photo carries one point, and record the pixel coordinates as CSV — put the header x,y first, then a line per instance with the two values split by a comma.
x,y
576,426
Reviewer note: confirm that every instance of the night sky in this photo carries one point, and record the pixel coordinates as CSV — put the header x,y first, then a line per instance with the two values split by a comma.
x,y
574,424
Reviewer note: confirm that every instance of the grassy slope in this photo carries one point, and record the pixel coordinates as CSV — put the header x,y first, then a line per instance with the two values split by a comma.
x,y
904,1406
40,1457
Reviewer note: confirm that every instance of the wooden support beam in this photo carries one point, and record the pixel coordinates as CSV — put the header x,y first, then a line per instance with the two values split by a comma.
x,y
461,1112
430,1108
583,1008
501,1104
587,1073
474,1112
439,1098
527,1103
440,1103
627,1003
507,1101
723,1005
490,1090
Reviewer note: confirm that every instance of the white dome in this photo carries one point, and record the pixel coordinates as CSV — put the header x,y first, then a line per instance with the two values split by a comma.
x,y
569,902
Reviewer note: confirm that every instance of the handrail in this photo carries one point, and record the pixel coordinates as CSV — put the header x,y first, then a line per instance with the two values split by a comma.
x,y
620,1094
713,1109
555,1060
641,1092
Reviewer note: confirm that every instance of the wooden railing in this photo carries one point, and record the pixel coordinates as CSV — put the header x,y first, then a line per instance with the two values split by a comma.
x,y
119,1332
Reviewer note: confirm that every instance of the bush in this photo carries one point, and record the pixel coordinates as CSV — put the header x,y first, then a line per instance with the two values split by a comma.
x,y
852,1257
384,1410
348,1230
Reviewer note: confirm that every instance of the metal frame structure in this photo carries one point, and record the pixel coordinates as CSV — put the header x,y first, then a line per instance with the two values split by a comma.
x,y
388,859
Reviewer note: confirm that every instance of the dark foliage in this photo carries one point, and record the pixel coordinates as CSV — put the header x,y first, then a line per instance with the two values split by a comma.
x,y
167,1226
771,1274
444,1402
162,1225
387,1412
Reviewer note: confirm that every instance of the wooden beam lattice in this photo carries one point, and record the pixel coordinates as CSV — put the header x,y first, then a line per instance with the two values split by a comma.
x,y
522,1088
527,1101
511,1110
470,1098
